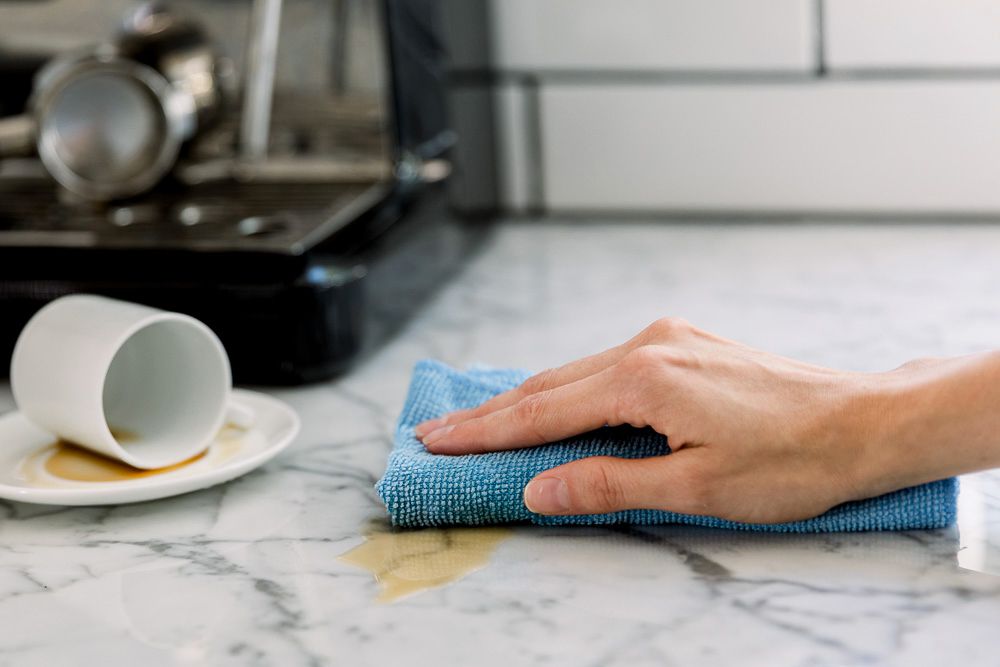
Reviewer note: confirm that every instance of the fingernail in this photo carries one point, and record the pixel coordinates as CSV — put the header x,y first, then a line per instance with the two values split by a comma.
x,y
423,428
548,495
437,434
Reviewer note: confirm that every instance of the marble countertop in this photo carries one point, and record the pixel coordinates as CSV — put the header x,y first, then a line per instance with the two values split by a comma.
x,y
251,572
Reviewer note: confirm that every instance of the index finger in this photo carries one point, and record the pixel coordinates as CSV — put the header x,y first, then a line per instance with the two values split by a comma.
x,y
536,419
544,381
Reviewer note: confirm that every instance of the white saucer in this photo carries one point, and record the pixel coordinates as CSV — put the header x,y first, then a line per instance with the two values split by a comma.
x,y
25,448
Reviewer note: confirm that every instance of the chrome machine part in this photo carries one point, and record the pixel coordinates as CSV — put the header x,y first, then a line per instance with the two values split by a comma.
x,y
178,47
256,127
109,128
108,123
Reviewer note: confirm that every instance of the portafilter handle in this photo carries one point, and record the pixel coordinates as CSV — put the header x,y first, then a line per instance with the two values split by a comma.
x,y
17,136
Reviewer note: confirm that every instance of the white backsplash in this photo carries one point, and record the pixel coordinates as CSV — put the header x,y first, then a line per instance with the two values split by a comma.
x,y
748,106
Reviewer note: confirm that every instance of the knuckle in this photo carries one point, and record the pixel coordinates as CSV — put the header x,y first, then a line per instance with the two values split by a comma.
x,y
637,372
641,360
538,382
534,406
668,328
531,412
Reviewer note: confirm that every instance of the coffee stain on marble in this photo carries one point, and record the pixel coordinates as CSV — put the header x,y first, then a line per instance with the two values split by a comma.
x,y
405,562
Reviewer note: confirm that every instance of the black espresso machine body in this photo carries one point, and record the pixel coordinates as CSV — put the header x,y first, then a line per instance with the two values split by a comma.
x,y
304,221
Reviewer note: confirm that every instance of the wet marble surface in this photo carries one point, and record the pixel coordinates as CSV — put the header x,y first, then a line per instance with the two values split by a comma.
x,y
248,573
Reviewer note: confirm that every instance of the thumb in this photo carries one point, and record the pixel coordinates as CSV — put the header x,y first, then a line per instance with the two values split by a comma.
x,y
602,484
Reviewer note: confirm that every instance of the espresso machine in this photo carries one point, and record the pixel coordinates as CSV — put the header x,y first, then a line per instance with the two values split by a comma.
x,y
275,168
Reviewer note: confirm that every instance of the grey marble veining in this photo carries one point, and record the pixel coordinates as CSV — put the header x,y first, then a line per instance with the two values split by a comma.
x,y
247,573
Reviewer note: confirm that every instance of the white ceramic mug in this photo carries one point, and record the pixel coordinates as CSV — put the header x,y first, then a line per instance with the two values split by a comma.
x,y
144,386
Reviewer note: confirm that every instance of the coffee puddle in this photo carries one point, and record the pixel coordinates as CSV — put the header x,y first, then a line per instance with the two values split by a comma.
x,y
405,562
76,464
64,460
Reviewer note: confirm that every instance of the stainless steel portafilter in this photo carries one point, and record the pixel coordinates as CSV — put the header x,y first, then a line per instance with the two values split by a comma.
x,y
104,127
109,123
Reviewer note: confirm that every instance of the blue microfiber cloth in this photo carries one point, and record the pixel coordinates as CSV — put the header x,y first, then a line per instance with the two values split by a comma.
x,y
423,489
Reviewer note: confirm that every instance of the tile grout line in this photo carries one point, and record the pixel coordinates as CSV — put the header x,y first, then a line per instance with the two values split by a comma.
x,y
534,149
819,27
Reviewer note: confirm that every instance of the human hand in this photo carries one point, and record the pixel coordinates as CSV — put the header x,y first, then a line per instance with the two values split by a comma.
x,y
755,437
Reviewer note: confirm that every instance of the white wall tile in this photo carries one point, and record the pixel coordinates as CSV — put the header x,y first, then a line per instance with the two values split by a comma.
x,y
912,33
824,146
654,34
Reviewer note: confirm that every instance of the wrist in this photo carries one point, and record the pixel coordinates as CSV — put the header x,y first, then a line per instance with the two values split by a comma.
x,y
866,420
928,420
885,421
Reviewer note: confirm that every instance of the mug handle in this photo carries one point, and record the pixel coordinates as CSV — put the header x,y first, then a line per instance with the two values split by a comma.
x,y
240,415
